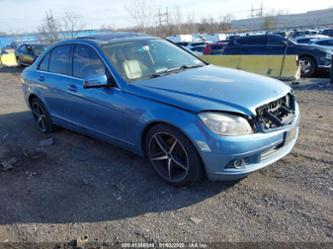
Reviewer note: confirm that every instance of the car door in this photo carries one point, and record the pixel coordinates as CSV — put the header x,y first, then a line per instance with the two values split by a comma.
x,y
53,78
275,45
252,44
97,110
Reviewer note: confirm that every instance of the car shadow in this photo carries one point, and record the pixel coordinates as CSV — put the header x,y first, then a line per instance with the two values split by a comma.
x,y
78,179
312,85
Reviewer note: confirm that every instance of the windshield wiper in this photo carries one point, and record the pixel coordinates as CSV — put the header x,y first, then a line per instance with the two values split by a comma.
x,y
176,69
183,67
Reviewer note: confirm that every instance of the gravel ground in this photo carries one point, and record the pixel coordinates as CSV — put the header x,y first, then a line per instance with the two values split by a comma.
x,y
77,187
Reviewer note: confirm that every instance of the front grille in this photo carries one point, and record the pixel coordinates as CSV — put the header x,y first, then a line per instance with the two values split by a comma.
x,y
277,113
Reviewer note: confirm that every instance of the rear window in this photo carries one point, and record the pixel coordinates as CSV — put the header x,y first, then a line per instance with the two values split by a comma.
x,y
60,60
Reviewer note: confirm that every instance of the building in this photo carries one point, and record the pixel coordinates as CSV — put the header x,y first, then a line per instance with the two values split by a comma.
x,y
309,19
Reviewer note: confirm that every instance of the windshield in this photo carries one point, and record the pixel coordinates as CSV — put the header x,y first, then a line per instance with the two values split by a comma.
x,y
142,59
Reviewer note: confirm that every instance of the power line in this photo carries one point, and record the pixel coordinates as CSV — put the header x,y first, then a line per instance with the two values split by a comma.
x,y
258,11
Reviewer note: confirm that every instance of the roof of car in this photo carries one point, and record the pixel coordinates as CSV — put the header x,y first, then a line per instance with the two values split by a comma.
x,y
114,36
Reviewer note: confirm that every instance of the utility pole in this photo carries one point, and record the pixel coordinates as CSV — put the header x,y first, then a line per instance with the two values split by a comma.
x,y
159,18
167,15
258,11
163,18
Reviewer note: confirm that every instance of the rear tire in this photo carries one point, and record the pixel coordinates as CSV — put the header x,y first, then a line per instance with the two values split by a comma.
x,y
308,66
41,116
173,156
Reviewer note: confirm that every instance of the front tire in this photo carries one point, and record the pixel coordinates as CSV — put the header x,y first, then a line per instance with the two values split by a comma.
x,y
173,156
41,116
308,66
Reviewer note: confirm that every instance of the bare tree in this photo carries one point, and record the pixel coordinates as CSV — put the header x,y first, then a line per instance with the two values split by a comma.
x,y
107,27
72,24
269,23
178,20
143,14
50,28
190,25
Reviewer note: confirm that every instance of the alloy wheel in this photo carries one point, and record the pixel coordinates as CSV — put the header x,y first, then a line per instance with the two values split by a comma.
x,y
39,116
306,66
168,157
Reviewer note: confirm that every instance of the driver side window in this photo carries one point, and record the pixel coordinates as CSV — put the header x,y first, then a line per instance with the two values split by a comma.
x,y
87,63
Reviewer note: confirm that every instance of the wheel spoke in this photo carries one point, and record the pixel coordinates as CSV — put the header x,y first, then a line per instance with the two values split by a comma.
x,y
173,146
168,156
169,168
181,165
41,122
160,144
159,158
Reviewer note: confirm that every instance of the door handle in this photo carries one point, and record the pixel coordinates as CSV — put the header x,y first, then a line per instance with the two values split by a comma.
x,y
72,88
41,78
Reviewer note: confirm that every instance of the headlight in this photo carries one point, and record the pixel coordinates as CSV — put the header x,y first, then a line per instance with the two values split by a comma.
x,y
329,56
226,124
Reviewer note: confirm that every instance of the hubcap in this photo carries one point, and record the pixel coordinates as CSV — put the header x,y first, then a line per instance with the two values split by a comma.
x,y
39,116
305,66
168,156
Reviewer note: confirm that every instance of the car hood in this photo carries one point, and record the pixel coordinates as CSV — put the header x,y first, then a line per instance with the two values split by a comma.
x,y
212,88
311,48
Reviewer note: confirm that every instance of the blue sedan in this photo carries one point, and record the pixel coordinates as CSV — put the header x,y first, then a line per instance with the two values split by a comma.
x,y
146,95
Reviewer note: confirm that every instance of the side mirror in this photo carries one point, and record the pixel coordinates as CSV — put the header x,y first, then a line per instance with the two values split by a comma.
x,y
98,81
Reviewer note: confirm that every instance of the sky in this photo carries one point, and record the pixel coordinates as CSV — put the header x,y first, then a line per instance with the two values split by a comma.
x,y
18,16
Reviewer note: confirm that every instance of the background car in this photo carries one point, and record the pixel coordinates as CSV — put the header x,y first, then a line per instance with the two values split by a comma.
x,y
311,58
328,32
323,43
27,53
198,50
214,48
308,38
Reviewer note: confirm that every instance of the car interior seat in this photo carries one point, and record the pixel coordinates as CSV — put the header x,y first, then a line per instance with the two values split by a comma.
x,y
132,69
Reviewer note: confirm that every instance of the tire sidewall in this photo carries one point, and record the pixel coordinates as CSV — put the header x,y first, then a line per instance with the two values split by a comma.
x,y
49,123
195,170
313,67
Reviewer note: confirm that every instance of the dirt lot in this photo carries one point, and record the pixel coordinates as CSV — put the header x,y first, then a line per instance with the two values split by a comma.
x,y
79,187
